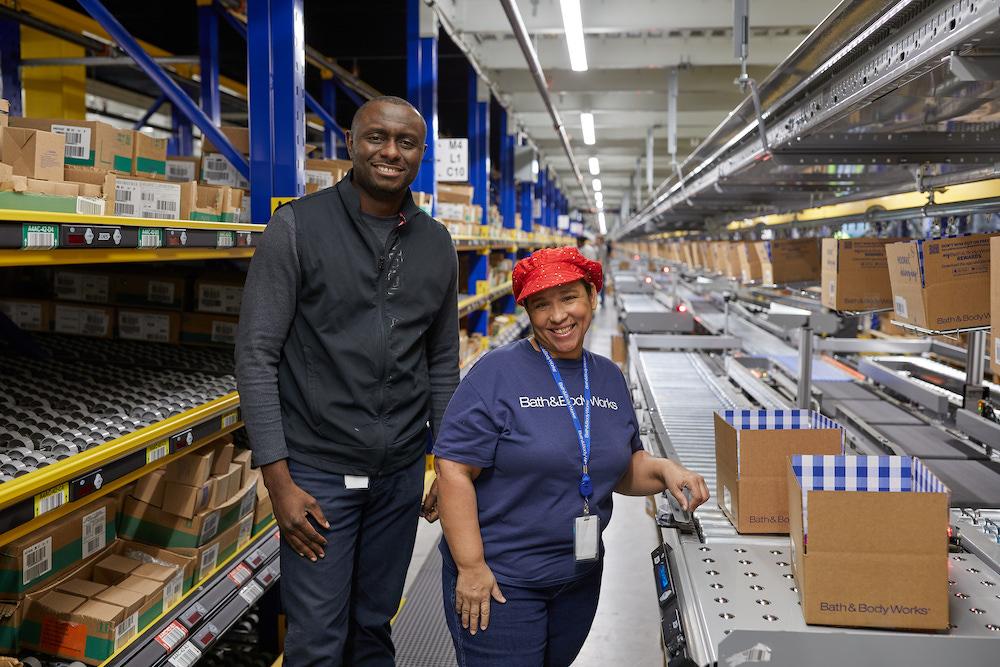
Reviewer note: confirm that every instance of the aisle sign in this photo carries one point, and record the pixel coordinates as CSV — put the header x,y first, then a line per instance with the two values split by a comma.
x,y
562,223
576,228
451,160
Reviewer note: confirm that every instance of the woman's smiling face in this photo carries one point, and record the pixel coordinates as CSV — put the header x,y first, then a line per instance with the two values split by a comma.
x,y
561,316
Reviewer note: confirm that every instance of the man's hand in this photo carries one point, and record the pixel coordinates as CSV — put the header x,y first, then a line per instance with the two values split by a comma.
x,y
473,591
429,509
292,509
677,478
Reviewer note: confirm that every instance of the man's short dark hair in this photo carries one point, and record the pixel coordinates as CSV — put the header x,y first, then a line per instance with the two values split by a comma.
x,y
388,99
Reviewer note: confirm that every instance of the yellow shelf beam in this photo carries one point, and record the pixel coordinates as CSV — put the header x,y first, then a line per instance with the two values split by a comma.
x,y
116,256
46,218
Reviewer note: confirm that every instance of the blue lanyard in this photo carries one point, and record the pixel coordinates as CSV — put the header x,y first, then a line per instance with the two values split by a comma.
x,y
583,434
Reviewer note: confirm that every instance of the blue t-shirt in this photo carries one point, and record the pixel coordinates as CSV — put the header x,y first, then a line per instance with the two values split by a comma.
x,y
508,418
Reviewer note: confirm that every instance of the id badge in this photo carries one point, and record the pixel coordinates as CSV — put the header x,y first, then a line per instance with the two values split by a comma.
x,y
587,534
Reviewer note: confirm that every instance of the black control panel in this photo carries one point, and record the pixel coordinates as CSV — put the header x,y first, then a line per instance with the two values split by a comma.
x,y
670,617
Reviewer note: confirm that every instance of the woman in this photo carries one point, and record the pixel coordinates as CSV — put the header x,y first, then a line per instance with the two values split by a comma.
x,y
525,487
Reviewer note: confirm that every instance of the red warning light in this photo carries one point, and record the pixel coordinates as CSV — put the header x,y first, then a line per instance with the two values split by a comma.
x,y
636,257
649,280
681,308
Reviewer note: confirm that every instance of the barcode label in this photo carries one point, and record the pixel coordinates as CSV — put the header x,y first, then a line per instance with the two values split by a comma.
x,y
77,140
51,499
173,590
323,179
246,528
209,559
150,237
229,419
186,655
224,299
81,286
160,292
899,304
126,629
210,527
246,505
224,332
24,314
157,451
38,237
89,206
127,196
209,297
82,321
171,636
152,327
94,535
240,574
225,240
37,561
181,171
251,592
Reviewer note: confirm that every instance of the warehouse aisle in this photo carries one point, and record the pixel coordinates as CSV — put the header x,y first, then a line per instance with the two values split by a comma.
x,y
626,630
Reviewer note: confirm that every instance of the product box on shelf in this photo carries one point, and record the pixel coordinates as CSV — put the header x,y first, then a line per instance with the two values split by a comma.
x,y
893,577
750,268
221,295
209,329
32,561
147,290
994,349
751,455
85,286
232,205
149,155
88,143
217,170
452,193
263,514
239,137
80,320
243,458
4,112
152,326
94,183
222,455
941,284
183,168
183,566
149,488
113,569
35,154
28,314
194,468
187,500
214,552
855,275
789,261
155,199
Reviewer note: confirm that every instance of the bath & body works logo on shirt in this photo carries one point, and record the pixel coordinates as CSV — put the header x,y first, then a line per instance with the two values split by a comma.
x,y
560,402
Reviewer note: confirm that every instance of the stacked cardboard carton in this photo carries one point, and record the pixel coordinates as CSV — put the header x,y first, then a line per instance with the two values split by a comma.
x,y
789,261
994,349
855,275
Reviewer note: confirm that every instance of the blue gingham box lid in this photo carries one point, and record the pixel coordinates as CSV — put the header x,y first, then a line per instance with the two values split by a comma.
x,y
777,420
862,473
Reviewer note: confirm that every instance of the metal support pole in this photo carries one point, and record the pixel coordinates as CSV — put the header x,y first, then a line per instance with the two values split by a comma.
x,y
173,91
10,60
649,161
508,198
208,52
182,141
975,369
277,106
527,203
351,95
805,367
141,123
479,143
672,96
330,130
421,83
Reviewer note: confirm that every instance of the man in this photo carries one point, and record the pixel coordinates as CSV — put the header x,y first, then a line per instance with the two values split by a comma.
x,y
347,348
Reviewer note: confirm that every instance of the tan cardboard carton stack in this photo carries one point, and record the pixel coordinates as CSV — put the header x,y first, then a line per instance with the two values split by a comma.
x,y
895,577
789,261
88,143
34,154
149,156
752,448
994,349
325,173
855,275
750,268
941,284
216,169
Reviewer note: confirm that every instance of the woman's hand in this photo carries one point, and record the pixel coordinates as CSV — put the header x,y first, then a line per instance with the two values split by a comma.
x,y
473,590
677,478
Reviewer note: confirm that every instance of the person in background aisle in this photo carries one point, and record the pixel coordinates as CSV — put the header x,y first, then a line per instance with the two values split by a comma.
x,y
534,442
586,248
347,348
604,256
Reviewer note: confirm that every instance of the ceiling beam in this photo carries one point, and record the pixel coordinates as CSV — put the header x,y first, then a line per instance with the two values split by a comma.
x,y
710,78
633,100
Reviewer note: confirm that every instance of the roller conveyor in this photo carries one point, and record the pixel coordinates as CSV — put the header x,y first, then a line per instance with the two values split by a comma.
x,y
641,303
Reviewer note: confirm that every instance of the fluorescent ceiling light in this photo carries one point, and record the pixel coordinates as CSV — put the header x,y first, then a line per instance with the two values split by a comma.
x,y
599,196
602,223
534,167
596,183
587,125
573,25
595,167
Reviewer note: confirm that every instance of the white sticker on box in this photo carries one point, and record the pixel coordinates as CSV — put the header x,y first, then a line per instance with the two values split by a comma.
x,y
246,505
251,592
216,170
246,530
90,206
94,532
126,629
210,527
224,299
152,327
161,201
81,286
82,321
77,140
209,559
160,291
173,590
24,315
181,170
128,196
323,179
186,655
224,332
37,561
899,305
996,352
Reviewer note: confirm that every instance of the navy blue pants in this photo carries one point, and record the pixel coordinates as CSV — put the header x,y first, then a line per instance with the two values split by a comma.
x,y
536,627
338,609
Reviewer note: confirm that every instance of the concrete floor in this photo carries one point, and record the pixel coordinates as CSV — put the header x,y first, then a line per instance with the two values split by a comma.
x,y
626,630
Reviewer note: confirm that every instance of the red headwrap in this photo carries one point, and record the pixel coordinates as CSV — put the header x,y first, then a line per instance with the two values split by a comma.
x,y
554,266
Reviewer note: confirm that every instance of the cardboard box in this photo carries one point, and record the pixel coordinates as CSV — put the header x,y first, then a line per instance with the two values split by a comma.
x,y
789,261
207,204
750,268
941,284
113,569
855,275
85,286
11,613
153,199
154,326
994,349
893,577
619,351
222,455
186,500
88,143
215,552
219,295
209,329
76,320
751,456
33,153
232,205
28,314
216,170
263,514
129,600
194,468
149,155
94,182
149,488
151,591
225,486
33,561
148,291
182,566
152,525
239,137
245,459
451,193
183,168
78,586
4,112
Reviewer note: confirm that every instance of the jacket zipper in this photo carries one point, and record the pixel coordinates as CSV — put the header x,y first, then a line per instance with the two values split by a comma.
x,y
383,342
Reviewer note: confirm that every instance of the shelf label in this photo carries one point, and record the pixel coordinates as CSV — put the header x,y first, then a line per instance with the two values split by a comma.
x,y
230,418
244,239
46,501
150,237
240,574
186,655
251,592
157,451
225,240
171,636
39,237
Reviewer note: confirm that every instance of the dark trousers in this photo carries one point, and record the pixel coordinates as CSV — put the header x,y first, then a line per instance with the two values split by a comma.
x,y
536,627
338,609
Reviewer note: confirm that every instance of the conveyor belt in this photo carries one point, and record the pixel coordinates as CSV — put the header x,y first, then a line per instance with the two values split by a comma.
x,y
973,484
641,303
822,370
877,413
928,442
844,391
